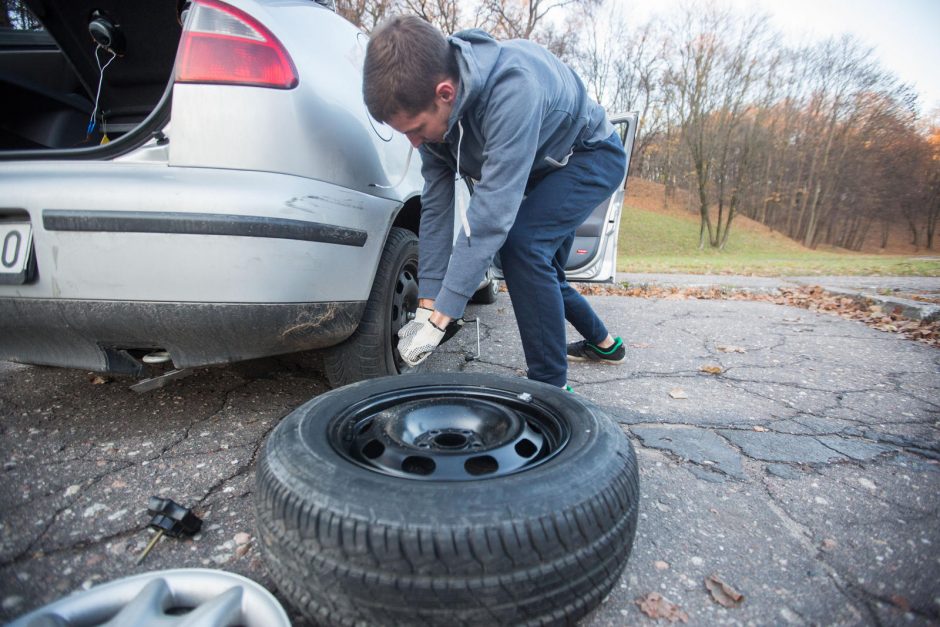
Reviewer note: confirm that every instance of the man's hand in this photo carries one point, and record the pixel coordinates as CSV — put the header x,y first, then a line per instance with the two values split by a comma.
x,y
416,346
422,314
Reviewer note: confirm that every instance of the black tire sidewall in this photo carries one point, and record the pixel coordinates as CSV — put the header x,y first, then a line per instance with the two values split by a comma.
x,y
300,455
406,252
370,352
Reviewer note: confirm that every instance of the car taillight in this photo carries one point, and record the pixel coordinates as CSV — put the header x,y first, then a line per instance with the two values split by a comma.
x,y
222,44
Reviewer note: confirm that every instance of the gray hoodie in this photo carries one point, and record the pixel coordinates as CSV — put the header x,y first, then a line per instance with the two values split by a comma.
x,y
519,114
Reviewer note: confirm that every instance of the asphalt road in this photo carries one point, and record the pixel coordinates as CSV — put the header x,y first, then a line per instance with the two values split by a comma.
x,y
805,475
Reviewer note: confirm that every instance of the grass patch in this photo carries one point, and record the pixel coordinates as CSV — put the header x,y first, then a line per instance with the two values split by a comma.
x,y
652,241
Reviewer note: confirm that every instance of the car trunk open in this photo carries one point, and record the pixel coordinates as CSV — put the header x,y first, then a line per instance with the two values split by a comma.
x,y
50,78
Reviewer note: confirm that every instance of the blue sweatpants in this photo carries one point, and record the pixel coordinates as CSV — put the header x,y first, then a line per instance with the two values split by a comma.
x,y
534,254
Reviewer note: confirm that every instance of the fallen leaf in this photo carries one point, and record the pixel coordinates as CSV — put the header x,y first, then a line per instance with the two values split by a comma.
x,y
97,379
678,393
661,565
241,550
731,349
655,606
760,428
242,538
901,602
722,593
711,369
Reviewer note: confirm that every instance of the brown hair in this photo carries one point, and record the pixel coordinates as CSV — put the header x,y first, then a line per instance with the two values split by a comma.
x,y
405,60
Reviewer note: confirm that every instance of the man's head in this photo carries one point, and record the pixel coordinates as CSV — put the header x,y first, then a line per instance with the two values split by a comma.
x,y
410,78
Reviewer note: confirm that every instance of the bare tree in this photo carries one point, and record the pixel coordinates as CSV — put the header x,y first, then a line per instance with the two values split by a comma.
x,y
623,69
931,200
519,19
529,19
718,61
367,14
445,14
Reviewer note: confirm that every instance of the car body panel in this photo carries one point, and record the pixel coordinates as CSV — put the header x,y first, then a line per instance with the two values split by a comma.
x,y
110,336
331,135
120,264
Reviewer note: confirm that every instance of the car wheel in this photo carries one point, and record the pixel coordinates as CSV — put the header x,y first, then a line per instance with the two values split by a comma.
x,y
446,499
372,350
182,596
487,294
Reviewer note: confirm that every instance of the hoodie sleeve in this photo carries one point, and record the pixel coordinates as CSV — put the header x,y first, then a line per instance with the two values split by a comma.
x,y
510,124
437,223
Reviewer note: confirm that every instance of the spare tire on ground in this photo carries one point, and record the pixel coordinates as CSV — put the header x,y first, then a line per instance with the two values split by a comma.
x,y
446,499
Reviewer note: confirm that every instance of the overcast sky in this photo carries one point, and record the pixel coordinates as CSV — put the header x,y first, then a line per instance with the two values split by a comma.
x,y
904,33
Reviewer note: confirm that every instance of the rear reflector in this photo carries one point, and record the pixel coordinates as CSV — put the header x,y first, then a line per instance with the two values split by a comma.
x,y
222,44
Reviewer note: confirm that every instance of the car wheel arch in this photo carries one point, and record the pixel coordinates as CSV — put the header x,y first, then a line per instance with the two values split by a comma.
x,y
409,216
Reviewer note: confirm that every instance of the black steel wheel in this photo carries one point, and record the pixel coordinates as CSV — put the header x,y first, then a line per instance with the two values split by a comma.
x,y
372,350
446,499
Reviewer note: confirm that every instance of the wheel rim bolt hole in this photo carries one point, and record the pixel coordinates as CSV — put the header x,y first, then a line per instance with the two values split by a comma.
x,y
481,465
417,465
525,448
373,449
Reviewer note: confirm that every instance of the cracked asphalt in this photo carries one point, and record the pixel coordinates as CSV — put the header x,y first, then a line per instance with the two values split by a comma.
x,y
806,475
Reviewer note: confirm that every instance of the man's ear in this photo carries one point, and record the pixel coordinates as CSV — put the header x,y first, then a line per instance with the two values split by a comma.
x,y
446,90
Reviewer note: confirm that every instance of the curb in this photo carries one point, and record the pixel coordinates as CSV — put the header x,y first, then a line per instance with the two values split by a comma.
x,y
912,309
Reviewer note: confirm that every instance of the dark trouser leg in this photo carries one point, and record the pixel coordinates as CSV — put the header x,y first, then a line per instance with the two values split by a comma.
x,y
577,310
537,247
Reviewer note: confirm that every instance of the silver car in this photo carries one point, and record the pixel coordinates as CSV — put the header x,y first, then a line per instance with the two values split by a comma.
x,y
201,183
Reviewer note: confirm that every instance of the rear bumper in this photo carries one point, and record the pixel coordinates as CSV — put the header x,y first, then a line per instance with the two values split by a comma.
x,y
96,335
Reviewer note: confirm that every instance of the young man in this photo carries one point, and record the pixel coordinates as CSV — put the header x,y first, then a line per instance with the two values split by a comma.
x,y
513,117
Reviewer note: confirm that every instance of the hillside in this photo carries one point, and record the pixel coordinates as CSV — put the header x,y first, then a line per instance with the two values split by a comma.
x,y
664,238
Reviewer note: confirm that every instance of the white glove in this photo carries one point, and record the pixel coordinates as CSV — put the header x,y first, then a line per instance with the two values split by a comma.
x,y
416,347
413,326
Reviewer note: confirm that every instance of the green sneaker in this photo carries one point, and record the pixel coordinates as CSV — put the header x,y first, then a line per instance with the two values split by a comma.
x,y
585,351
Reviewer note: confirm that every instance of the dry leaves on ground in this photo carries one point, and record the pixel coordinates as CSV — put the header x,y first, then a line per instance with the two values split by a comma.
x,y
655,606
711,369
813,298
722,593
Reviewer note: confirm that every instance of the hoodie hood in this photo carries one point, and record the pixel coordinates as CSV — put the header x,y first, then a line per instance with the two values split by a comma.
x,y
477,53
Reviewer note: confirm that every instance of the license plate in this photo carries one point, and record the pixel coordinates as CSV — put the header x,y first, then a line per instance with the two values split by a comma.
x,y
16,242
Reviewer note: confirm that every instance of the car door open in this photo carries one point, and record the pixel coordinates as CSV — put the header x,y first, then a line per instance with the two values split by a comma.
x,y
593,256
